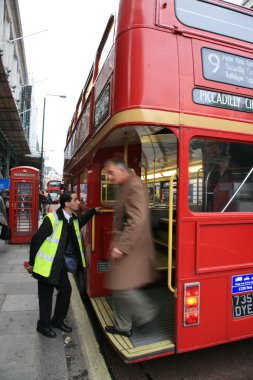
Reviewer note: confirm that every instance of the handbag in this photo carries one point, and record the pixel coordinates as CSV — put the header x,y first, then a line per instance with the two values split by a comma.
x,y
70,263
5,233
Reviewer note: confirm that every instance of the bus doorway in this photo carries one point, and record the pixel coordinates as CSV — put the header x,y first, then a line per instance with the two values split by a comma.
x,y
151,153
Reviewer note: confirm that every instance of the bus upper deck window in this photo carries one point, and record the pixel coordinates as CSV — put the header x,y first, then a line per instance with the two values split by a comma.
x,y
105,45
214,18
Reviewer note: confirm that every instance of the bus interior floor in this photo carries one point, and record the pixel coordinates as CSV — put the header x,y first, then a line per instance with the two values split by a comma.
x,y
158,336
162,327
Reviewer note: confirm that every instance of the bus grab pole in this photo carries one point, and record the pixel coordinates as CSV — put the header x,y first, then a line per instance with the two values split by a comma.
x,y
170,226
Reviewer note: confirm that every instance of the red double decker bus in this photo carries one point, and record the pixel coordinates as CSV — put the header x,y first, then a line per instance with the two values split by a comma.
x,y
174,99
54,189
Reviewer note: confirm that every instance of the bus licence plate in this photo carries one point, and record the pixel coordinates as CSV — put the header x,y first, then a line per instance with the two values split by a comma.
x,y
242,305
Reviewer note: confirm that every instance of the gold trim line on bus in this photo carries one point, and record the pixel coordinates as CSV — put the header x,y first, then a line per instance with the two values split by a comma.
x,y
128,116
176,119
165,118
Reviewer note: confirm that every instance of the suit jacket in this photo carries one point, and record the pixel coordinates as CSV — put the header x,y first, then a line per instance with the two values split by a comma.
x,y
132,235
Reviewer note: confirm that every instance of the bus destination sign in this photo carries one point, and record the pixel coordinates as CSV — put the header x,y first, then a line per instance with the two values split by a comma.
x,y
227,68
222,100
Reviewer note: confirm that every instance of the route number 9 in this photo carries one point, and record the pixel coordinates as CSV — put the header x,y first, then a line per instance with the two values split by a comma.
x,y
215,62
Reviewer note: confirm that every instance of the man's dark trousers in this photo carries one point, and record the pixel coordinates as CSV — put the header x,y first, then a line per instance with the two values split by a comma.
x,y
45,293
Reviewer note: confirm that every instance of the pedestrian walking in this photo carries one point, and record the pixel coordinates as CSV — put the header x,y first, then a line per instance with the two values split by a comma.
x,y
44,203
131,253
6,198
2,208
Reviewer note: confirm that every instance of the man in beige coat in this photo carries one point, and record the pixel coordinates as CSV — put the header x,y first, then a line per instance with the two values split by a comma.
x,y
131,252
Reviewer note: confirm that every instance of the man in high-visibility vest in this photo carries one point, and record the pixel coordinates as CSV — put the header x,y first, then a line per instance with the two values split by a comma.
x,y
58,236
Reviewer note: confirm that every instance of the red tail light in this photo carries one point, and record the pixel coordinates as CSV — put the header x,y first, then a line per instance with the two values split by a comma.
x,y
191,303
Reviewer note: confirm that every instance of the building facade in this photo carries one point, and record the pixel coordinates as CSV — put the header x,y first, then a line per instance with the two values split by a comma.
x,y
15,92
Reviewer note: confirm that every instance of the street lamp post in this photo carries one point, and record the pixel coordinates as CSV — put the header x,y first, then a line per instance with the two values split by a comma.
x,y
22,37
42,140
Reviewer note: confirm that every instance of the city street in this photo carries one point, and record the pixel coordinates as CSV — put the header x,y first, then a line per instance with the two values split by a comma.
x,y
227,362
143,129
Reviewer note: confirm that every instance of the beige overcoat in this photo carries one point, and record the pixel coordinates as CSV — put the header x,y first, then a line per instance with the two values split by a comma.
x,y
132,235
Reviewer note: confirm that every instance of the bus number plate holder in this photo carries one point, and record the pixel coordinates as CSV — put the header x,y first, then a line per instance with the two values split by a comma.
x,y
242,305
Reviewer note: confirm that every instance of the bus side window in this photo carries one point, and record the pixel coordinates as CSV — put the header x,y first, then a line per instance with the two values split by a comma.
x,y
222,180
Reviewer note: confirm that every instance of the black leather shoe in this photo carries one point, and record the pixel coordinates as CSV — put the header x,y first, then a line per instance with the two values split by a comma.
x,y
113,330
61,326
46,331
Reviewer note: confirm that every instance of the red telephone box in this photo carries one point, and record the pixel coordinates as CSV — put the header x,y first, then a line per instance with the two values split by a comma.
x,y
24,203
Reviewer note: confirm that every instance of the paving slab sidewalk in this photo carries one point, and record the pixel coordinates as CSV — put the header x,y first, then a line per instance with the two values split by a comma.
x,y
24,354
28,355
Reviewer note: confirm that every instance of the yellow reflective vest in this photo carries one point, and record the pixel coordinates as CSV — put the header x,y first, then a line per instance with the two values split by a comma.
x,y
46,254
